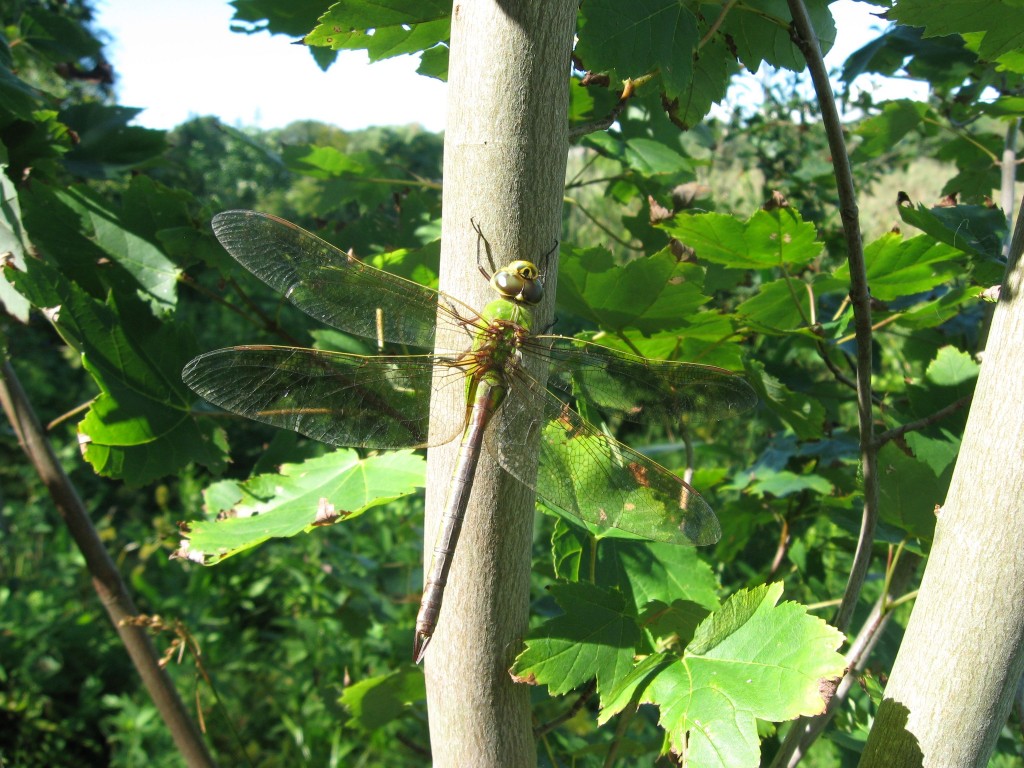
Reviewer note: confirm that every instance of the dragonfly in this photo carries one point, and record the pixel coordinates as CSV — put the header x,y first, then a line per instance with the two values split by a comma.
x,y
496,368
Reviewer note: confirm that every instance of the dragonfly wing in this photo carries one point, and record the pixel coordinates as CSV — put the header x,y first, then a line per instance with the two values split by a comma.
x,y
639,389
349,400
329,285
592,476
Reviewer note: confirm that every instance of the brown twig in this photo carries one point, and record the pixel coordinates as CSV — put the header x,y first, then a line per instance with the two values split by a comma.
x,y
570,713
913,426
106,580
802,34
804,731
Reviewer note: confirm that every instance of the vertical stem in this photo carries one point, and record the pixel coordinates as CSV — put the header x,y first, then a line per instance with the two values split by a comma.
x,y
860,299
506,145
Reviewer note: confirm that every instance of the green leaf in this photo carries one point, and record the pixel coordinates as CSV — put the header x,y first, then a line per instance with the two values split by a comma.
x,y
898,267
784,304
768,239
13,241
708,338
937,311
973,229
384,28
434,62
785,483
647,572
293,18
321,491
805,415
139,427
750,660
650,294
713,65
596,637
881,132
396,41
376,701
937,453
759,30
952,367
633,39
1000,20
651,157
910,492
107,145
76,230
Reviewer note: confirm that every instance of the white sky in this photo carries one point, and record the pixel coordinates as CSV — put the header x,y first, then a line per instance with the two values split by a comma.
x,y
179,59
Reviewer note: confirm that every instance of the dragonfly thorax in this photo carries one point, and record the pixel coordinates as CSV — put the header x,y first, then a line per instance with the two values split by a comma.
x,y
519,281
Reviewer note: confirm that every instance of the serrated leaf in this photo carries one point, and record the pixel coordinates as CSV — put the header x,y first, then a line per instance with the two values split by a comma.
x,y
952,367
321,491
759,30
107,145
650,157
376,701
708,338
768,239
805,415
973,229
679,620
935,312
139,427
897,267
783,304
750,660
649,571
785,483
635,38
909,492
649,294
1000,21
595,638
937,453
713,66
396,41
384,28
76,230
880,133
13,242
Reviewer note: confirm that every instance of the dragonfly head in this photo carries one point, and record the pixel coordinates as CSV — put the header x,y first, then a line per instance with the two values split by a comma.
x,y
519,281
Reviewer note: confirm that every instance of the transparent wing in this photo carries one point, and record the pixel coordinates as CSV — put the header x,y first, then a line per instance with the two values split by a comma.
x,y
639,389
329,285
590,475
350,400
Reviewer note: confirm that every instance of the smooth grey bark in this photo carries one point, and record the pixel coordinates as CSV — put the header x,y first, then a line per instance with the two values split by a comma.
x,y
954,678
504,167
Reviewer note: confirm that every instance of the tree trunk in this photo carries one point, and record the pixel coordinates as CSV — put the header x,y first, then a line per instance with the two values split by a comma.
x,y
504,168
953,681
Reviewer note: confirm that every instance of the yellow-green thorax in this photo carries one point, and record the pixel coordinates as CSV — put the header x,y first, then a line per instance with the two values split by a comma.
x,y
507,321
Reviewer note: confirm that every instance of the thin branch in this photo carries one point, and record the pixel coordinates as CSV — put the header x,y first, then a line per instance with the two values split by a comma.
x,y
913,426
802,34
106,580
805,730
570,713
841,377
629,88
596,222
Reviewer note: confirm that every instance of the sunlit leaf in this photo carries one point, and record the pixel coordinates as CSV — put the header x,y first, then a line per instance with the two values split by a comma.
x,y
319,492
